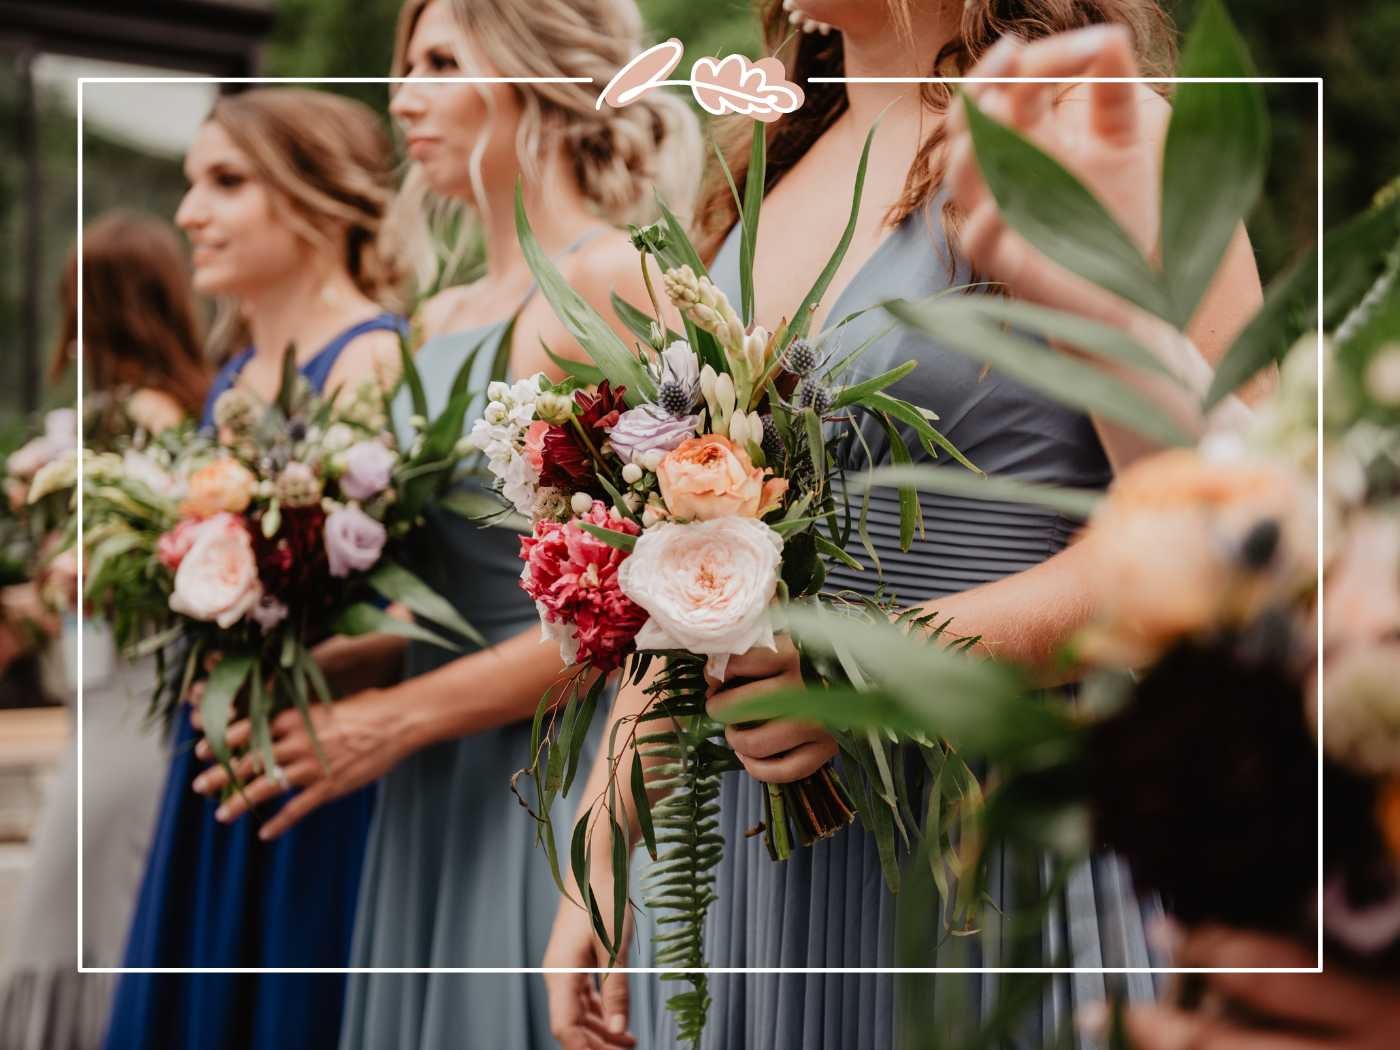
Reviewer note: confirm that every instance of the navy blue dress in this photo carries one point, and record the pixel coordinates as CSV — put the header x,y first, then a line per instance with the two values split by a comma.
x,y
216,897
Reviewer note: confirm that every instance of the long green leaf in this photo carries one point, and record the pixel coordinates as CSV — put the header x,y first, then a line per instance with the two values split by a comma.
x,y
287,386
1216,155
1101,340
1074,503
216,705
748,217
1071,382
801,322
585,324
1354,259
399,585
857,392
411,378
642,803
621,540
363,618
1052,210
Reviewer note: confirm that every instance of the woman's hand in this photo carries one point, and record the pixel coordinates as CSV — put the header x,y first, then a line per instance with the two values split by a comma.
x,y
1108,135
1313,1011
362,738
781,750
583,1016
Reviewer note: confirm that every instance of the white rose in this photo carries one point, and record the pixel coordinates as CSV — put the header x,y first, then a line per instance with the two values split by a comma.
x,y
218,578
706,586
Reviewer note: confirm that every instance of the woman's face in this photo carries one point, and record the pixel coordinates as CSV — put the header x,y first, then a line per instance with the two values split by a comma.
x,y
446,124
239,244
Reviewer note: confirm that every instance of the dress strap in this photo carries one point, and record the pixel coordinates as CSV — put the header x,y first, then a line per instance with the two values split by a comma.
x,y
318,369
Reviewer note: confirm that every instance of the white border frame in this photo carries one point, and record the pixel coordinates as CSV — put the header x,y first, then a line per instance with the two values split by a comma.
x,y
1316,81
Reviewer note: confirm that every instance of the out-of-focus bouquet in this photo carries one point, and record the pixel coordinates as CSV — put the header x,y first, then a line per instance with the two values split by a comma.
x,y
238,550
680,493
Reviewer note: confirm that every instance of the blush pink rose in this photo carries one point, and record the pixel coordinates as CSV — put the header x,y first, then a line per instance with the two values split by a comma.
x,y
218,577
534,444
711,477
172,546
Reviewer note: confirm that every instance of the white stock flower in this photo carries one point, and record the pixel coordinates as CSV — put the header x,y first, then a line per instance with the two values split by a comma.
x,y
500,433
706,587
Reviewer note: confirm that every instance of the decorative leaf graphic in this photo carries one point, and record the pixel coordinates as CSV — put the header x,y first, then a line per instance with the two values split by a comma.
x,y
646,71
752,89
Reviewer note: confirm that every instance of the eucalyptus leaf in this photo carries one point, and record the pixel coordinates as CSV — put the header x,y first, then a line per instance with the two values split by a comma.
x,y
620,540
364,618
1216,156
1078,384
1075,503
397,584
1050,208
216,705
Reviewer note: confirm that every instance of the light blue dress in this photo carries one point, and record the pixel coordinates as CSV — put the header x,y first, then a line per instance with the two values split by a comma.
x,y
454,876
828,906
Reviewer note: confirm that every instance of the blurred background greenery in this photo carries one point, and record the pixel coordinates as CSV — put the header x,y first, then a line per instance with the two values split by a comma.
x,y
1355,46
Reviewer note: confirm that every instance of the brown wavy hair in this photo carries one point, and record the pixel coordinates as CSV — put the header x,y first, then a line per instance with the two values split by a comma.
x,y
140,325
984,22
329,162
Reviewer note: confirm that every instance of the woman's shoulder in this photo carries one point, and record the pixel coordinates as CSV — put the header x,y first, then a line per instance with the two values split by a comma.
x,y
606,264
370,355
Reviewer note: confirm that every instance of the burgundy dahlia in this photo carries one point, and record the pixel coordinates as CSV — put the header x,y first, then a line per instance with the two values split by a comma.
x,y
567,461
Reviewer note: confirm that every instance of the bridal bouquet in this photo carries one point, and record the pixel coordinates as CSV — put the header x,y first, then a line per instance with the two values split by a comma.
x,y
241,549
680,493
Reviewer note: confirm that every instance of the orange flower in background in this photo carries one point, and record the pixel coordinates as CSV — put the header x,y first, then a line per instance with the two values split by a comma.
x,y
712,477
223,485
1173,551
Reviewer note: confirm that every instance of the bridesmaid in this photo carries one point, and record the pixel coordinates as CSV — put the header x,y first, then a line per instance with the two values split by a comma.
x,y
141,345
993,567
288,190
455,876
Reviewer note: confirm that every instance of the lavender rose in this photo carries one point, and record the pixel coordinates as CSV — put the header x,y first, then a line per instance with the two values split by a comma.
x,y
368,467
354,541
649,429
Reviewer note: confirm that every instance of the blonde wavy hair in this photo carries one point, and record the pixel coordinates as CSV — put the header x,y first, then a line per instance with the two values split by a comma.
x,y
618,156
329,164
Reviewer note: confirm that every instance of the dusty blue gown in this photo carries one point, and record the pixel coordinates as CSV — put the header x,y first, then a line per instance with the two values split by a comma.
x,y
454,876
828,906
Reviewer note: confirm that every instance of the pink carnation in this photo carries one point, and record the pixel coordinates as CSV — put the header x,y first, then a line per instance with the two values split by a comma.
x,y
172,546
572,576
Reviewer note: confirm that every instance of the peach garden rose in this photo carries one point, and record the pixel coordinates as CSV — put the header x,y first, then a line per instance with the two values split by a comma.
x,y
222,485
712,477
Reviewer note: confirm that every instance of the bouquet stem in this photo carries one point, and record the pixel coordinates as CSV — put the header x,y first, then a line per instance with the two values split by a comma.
x,y
814,808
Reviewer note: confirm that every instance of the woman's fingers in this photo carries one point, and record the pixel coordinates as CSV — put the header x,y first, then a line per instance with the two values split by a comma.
x,y
300,806
1099,51
725,698
760,661
801,762
770,739
264,789
235,737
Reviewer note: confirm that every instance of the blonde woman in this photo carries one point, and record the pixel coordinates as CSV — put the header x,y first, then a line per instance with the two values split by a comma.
x,y
1002,572
287,195
454,875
